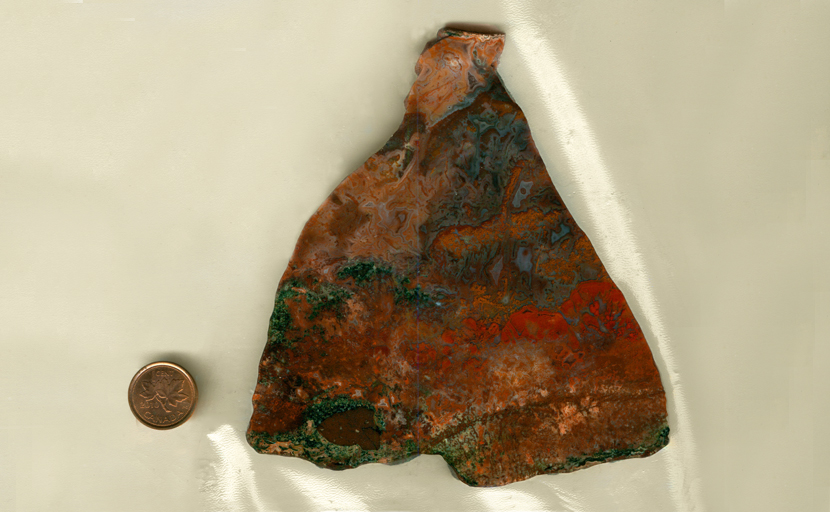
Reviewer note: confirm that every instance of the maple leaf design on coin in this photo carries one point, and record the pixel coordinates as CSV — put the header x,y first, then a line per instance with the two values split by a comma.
x,y
165,389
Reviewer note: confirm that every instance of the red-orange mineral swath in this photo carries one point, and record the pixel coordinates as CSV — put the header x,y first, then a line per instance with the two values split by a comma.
x,y
444,301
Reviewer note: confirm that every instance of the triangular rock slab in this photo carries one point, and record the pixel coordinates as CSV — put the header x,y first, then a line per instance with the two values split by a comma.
x,y
443,301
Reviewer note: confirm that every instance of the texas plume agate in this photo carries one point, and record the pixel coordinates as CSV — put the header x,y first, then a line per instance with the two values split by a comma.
x,y
443,300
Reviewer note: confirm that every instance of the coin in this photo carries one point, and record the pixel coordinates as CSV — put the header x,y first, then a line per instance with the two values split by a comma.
x,y
162,395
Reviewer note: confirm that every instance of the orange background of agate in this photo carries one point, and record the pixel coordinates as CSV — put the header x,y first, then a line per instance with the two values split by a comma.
x,y
159,159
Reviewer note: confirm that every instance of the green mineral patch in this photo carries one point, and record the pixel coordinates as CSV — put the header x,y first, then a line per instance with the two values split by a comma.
x,y
280,321
323,297
459,450
661,439
363,271
327,297
318,412
415,295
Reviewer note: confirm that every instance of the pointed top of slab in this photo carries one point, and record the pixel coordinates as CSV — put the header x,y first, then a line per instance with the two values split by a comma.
x,y
480,36
451,69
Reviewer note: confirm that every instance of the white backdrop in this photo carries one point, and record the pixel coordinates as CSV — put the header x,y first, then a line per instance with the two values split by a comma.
x,y
159,158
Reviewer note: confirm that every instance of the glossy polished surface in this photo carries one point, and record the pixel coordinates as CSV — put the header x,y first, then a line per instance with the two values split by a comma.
x,y
142,210
443,300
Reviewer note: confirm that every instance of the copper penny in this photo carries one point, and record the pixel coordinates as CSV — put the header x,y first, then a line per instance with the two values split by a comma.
x,y
162,395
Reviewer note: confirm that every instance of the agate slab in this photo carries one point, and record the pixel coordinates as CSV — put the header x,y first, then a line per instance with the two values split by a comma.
x,y
443,300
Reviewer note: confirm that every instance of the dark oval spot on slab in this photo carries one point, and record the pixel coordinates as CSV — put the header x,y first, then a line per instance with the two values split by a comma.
x,y
355,426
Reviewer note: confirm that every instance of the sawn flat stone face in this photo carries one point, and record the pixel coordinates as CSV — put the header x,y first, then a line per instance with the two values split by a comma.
x,y
442,300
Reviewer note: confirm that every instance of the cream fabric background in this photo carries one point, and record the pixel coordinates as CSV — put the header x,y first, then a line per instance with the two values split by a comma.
x,y
159,158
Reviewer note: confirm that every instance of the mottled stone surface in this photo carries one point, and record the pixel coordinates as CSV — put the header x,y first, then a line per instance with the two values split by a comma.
x,y
442,300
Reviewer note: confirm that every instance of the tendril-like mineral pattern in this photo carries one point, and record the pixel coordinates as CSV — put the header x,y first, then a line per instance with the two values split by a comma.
x,y
443,301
